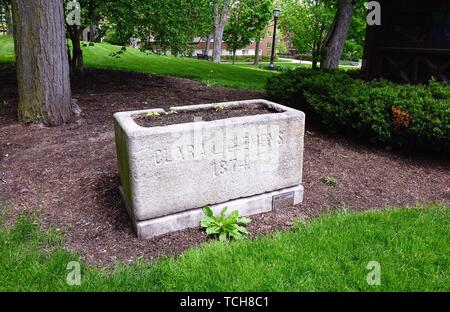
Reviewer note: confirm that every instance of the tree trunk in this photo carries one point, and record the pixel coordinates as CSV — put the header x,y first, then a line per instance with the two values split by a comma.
x,y
220,19
314,62
92,33
41,61
208,42
234,56
315,55
76,62
334,43
256,62
9,23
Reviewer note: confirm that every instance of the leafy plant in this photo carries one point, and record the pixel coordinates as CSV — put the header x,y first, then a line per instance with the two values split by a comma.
x,y
218,107
153,114
118,53
210,80
330,181
225,228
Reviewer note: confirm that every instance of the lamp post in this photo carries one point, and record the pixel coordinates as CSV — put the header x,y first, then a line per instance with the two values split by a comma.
x,y
276,14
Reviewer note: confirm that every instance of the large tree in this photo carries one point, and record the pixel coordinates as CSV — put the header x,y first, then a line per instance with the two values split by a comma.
x,y
220,13
306,23
247,19
41,61
337,35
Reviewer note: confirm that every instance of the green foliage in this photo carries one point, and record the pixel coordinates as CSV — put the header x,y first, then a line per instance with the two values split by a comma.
x,y
307,23
402,116
354,45
113,38
330,181
161,26
92,11
247,19
223,227
118,53
153,114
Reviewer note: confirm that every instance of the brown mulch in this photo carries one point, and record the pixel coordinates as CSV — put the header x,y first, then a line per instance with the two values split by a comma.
x,y
68,174
174,118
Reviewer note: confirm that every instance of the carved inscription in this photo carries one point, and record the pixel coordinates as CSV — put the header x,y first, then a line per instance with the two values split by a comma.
x,y
227,151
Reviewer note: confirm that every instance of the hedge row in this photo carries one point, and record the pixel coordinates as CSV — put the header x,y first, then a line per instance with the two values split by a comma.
x,y
405,116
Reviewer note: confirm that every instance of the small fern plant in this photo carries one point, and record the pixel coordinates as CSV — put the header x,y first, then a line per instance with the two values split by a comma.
x,y
225,228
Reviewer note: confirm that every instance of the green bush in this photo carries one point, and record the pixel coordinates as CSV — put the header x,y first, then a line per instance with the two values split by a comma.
x,y
405,116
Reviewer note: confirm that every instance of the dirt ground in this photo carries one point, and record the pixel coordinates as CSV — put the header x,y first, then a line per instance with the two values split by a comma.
x,y
68,174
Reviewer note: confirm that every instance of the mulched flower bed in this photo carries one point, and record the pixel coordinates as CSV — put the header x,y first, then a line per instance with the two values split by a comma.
x,y
175,118
69,175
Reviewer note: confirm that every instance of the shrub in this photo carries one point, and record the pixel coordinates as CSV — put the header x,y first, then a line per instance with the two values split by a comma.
x,y
225,228
405,116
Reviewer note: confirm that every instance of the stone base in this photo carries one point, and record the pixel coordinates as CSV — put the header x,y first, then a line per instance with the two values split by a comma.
x,y
189,219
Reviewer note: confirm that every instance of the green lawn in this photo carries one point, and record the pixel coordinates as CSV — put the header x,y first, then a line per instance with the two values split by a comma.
x,y
6,49
135,60
329,253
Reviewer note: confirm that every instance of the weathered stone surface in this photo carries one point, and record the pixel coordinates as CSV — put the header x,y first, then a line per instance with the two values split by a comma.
x,y
246,206
172,169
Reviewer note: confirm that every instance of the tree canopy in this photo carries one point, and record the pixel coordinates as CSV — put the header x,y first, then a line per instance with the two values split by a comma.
x,y
307,24
160,25
247,19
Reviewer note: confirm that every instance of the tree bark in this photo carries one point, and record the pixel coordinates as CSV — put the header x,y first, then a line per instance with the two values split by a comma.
x,y
334,43
234,56
76,62
208,42
220,19
315,55
41,60
92,33
256,62
314,60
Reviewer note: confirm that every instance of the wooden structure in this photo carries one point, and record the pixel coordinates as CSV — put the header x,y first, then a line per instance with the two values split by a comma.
x,y
412,44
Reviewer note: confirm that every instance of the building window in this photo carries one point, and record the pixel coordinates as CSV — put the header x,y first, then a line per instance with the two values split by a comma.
x,y
244,52
269,45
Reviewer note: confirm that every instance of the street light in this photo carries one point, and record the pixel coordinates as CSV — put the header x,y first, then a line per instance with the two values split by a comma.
x,y
276,14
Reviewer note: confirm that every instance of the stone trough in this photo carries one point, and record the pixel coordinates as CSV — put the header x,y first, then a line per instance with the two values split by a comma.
x,y
168,173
